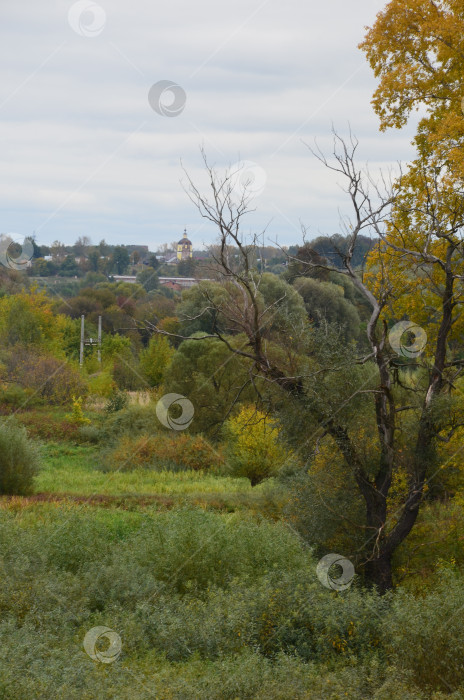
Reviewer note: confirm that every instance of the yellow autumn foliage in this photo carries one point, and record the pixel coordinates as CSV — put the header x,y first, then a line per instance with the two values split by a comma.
x,y
254,450
28,319
397,266
416,51
77,414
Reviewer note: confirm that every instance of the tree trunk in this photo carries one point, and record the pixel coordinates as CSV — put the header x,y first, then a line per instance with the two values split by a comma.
x,y
379,573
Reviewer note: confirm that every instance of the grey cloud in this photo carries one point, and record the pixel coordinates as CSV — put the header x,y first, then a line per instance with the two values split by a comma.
x,y
83,152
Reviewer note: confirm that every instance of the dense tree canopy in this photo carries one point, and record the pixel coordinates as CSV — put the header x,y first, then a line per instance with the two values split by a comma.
x,y
416,49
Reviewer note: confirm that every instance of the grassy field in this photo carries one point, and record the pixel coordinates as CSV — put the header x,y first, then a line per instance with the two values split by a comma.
x,y
71,469
69,475
204,592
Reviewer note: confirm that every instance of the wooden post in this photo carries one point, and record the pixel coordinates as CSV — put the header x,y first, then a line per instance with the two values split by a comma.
x,y
81,352
99,338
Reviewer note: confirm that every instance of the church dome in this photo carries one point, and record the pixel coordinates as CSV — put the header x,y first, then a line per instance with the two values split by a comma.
x,y
184,248
184,240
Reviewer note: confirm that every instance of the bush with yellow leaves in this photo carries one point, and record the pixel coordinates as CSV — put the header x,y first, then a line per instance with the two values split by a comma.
x,y
77,414
253,448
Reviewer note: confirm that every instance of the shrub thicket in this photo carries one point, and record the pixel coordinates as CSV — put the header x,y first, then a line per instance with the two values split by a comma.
x,y
162,451
117,401
208,605
133,420
19,459
52,379
46,425
13,396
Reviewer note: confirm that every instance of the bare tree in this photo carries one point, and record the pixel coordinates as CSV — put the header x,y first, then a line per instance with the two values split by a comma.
x,y
376,209
82,245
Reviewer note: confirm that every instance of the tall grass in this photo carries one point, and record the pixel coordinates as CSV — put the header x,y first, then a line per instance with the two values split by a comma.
x,y
72,469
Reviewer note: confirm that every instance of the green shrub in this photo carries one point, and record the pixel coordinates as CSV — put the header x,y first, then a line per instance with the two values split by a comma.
x,y
127,375
102,384
155,359
17,397
133,420
19,459
426,636
89,433
208,606
191,549
117,402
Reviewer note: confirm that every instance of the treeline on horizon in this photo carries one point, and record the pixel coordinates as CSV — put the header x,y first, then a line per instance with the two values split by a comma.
x,y
83,256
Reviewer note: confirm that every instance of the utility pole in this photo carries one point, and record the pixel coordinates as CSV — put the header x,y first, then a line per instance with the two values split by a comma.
x,y
90,341
99,339
81,352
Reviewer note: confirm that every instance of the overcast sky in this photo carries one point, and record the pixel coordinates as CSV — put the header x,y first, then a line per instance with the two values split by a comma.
x,y
85,153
